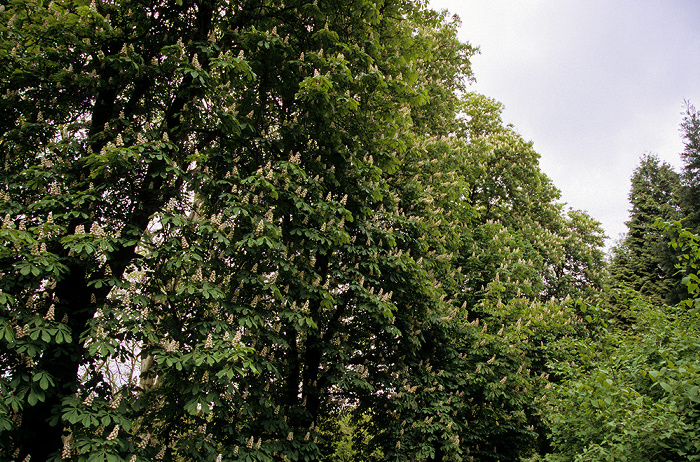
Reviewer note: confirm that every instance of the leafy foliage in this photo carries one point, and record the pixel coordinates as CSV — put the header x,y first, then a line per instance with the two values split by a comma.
x,y
228,226
634,395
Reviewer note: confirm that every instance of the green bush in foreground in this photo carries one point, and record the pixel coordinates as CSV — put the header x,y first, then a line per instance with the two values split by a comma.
x,y
633,395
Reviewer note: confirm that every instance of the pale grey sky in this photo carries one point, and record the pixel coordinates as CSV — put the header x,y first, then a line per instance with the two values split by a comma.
x,y
594,84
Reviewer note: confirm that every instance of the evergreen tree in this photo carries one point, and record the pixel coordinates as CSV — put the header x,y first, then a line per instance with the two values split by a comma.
x,y
644,260
690,174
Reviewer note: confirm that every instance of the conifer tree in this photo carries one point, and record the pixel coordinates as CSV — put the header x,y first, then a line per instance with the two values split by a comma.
x,y
644,260
690,173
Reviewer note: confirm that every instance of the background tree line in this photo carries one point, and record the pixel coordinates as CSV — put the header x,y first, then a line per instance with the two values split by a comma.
x,y
275,231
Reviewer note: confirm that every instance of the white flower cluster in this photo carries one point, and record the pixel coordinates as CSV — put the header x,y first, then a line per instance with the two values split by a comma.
x,y
65,454
113,434
89,399
216,220
171,346
22,331
144,441
50,314
96,229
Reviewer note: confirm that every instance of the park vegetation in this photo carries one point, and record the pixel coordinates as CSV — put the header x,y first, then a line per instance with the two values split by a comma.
x,y
267,230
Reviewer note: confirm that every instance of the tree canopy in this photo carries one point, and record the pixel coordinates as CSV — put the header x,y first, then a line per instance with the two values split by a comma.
x,y
231,227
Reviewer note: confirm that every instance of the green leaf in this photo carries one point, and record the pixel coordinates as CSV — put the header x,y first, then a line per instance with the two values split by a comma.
x,y
99,456
72,416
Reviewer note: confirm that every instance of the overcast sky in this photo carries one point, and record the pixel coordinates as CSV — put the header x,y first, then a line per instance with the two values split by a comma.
x,y
593,83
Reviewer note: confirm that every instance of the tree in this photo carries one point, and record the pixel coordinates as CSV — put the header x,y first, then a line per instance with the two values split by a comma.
x,y
690,174
269,204
562,248
482,364
644,260
207,181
